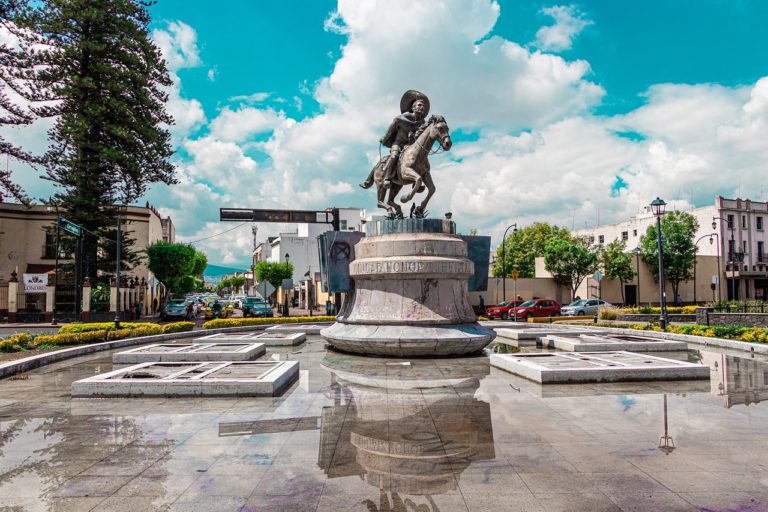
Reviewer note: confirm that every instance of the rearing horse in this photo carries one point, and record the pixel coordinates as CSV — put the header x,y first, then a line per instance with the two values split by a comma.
x,y
413,167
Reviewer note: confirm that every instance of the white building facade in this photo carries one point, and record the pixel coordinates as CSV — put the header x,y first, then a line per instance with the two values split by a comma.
x,y
735,260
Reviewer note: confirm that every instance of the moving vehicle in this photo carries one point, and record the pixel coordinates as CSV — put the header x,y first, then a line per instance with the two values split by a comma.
x,y
174,308
256,307
536,308
501,310
584,307
222,312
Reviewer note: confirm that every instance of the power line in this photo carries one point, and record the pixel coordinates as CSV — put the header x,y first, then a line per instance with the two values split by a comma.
x,y
219,234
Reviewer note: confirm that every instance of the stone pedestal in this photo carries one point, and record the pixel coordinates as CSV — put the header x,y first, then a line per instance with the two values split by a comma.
x,y
411,296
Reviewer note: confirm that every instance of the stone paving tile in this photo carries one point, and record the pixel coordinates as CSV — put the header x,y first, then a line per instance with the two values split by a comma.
x,y
704,481
557,482
651,502
169,487
208,504
484,502
374,500
300,501
90,486
631,481
132,504
576,502
285,479
501,480
240,486
728,501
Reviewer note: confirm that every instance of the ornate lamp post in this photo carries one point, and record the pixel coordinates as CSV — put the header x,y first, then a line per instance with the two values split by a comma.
x,y
658,206
666,444
696,244
731,256
504,260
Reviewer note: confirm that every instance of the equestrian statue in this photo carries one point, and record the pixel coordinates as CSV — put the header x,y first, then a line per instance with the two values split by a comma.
x,y
410,138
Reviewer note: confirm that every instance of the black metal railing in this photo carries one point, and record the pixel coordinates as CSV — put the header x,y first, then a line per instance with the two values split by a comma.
x,y
750,307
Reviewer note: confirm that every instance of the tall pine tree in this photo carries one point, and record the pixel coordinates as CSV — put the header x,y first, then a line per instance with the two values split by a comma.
x,y
109,141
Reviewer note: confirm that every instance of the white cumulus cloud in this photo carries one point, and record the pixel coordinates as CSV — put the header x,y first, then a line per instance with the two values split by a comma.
x,y
569,22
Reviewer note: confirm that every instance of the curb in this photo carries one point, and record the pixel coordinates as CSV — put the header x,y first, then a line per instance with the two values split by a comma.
x,y
30,363
743,346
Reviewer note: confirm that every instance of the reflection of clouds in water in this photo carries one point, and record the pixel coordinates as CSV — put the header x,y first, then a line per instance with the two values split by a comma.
x,y
627,402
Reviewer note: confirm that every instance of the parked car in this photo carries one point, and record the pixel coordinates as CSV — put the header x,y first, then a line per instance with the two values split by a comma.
x,y
536,308
584,307
175,308
501,310
257,307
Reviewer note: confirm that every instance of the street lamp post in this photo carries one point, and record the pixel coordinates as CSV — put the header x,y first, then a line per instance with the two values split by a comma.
x,y
696,244
117,274
658,206
504,260
285,305
731,254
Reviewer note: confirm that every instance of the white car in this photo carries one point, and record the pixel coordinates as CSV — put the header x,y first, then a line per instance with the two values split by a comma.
x,y
584,307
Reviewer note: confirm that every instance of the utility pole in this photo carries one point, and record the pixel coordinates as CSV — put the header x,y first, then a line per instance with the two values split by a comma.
x,y
117,274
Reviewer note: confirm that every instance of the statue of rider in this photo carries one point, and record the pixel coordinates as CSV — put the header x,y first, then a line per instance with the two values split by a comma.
x,y
414,107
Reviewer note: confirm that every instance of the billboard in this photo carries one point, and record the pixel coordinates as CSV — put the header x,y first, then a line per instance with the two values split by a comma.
x,y
35,283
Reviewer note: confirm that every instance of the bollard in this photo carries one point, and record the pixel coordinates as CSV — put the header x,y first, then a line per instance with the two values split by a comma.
x,y
594,319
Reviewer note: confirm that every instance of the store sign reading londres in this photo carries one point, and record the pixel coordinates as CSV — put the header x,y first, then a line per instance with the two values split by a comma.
x,y
35,283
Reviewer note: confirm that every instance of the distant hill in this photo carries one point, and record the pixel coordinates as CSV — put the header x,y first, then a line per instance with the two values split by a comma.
x,y
218,270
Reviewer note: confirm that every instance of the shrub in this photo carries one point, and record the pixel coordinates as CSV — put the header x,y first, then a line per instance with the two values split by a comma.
x,y
17,342
79,338
101,326
178,327
610,313
240,322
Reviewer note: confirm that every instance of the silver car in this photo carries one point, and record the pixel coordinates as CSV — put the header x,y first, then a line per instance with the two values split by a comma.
x,y
583,307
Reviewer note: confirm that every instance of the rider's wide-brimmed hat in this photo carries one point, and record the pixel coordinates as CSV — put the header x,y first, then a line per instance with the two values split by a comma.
x,y
409,97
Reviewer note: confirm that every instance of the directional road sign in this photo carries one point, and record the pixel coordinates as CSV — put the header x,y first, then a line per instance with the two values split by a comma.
x,y
265,289
71,227
515,274
598,276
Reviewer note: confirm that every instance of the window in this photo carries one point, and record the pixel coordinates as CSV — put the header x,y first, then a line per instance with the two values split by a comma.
x,y
634,232
744,247
601,239
342,225
760,249
743,222
759,222
730,222
731,249
624,235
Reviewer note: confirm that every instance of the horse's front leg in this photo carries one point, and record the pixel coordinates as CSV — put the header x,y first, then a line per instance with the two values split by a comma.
x,y
393,191
427,178
410,175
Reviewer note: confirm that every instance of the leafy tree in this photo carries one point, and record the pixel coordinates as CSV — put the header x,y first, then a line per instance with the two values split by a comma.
x,y
678,230
273,272
201,262
170,263
110,140
570,260
521,249
237,282
617,263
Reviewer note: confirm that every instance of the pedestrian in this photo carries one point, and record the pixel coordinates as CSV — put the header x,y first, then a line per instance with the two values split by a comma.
x,y
154,306
678,300
482,305
137,308
190,311
519,297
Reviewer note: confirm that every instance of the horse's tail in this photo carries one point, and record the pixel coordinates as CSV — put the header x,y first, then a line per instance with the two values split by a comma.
x,y
370,180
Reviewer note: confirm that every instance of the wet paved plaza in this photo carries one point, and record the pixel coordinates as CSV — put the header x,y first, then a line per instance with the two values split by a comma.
x,y
385,435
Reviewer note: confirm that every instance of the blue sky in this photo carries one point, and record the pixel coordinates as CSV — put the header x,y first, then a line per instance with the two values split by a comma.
x,y
558,110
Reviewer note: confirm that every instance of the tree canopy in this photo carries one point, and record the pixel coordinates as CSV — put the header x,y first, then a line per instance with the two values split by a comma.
x,y
570,260
617,263
108,80
175,265
273,272
678,230
521,249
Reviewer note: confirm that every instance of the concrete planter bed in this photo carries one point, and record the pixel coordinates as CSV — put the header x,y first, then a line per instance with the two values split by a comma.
x,y
30,363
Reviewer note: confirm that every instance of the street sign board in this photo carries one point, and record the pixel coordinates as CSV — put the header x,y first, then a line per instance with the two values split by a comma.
x,y
287,284
265,289
598,276
71,227
515,274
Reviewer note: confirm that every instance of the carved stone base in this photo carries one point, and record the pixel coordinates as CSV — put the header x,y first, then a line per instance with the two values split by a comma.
x,y
411,296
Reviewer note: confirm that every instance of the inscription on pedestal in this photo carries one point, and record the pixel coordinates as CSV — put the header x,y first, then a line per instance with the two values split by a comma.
x,y
400,267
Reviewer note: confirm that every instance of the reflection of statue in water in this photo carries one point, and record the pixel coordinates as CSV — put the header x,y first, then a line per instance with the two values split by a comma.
x,y
410,139
407,431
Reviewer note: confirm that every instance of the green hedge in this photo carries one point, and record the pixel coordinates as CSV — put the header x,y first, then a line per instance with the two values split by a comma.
x,y
728,332
241,322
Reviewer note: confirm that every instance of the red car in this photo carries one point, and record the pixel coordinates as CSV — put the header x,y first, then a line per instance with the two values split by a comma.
x,y
536,308
501,310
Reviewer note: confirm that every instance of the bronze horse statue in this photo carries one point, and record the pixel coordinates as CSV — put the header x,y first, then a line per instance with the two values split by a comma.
x,y
413,167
